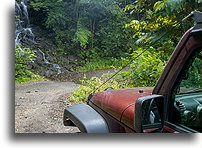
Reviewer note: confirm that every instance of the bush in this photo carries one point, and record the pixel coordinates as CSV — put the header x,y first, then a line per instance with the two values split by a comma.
x,y
23,56
145,70
89,85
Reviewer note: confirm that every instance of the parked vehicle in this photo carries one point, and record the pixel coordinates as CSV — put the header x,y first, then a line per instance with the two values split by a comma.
x,y
174,105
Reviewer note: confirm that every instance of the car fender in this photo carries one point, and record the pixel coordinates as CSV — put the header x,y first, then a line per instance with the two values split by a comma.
x,y
86,119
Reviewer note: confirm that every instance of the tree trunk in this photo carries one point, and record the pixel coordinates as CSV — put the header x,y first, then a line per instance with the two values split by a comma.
x,y
93,32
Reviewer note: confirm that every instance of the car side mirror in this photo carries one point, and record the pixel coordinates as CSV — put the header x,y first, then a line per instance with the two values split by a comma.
x,y
149,114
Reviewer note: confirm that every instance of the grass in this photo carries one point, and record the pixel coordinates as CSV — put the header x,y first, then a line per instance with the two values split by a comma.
x,y
100,63
31,78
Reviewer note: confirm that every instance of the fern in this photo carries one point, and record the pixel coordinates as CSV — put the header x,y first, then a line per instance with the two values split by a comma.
x,y
160,5
82,35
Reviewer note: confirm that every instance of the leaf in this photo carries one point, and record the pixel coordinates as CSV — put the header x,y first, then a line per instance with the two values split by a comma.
x,y
82,35
160,5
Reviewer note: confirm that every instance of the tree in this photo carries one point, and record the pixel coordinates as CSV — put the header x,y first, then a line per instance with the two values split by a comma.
x,y
154,17
91,26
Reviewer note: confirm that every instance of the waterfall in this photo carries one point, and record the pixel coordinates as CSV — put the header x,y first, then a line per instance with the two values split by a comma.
x,y
23,33
23,30
54,66
44,57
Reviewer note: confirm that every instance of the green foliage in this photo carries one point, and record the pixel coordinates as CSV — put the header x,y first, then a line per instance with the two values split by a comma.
x,y
192,78
100,63
159,5
165,47
31,78
82,35
81,26
145,70
23,56
115,39
156,17
89,85
99,32
152,19
56,18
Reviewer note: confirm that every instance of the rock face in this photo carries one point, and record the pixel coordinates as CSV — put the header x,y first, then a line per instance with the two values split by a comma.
x,y
37,39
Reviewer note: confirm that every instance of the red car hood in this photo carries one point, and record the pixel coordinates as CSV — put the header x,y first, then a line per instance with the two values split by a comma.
x,y
120,103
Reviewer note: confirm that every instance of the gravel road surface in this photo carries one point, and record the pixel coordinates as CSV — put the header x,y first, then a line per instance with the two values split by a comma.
x,y
39,107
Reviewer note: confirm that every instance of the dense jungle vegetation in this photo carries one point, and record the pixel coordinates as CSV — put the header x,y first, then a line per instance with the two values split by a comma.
x,y
109,33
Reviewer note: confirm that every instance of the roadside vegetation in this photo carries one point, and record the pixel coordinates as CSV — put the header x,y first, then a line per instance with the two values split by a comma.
x,y
101,63
89,85
107,34
23,71
150,23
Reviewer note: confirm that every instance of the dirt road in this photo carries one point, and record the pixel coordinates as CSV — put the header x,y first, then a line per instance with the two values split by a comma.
x,y
39,107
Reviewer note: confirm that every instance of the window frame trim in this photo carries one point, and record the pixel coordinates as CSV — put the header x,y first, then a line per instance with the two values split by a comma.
x,y
169,102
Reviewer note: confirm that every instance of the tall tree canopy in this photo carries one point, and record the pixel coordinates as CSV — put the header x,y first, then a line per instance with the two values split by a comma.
x,y
87,25
154,17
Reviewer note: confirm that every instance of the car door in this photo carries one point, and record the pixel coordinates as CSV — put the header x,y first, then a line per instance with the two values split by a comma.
x,y
184,101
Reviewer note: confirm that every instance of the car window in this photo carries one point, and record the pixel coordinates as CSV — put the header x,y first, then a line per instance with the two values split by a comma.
x,y
187,95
